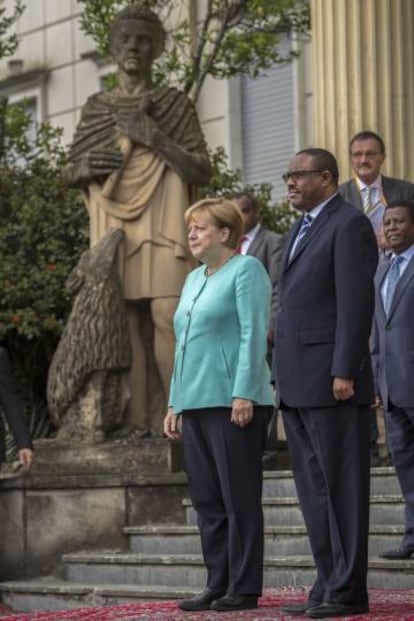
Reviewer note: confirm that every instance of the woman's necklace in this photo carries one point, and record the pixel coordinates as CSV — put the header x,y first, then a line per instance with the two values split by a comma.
x,y
209,271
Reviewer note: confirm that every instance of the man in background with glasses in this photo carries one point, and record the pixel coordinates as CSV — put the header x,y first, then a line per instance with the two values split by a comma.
x,y
371,191
323,379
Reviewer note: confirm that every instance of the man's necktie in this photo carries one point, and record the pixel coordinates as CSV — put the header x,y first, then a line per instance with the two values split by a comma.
x,y
304,228
392,281
368,199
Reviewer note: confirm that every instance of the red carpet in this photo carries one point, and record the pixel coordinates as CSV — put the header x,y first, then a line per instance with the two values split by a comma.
x,y
385,606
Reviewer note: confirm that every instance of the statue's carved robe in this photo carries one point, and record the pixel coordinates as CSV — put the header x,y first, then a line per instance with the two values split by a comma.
x,y
146,198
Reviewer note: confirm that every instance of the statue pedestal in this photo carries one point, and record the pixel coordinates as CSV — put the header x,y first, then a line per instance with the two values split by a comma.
x,y
76,498
133,460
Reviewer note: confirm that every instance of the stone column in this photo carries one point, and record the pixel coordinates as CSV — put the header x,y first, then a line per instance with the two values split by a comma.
x,y
363,77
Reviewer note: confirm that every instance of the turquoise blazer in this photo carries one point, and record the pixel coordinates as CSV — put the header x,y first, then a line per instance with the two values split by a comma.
x,y
221,327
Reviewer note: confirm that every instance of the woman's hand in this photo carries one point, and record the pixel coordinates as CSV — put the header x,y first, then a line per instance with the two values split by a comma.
x,y
26,458
171,427
242,412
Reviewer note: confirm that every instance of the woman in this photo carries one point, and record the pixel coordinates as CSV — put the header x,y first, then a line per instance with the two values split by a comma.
x,y
221,388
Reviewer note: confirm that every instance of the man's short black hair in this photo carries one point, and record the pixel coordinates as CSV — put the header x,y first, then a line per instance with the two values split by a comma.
x,y
324,160
405,204
250,197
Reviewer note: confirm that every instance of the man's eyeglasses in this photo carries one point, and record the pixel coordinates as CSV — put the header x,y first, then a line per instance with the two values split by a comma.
x,y
368,154
299,174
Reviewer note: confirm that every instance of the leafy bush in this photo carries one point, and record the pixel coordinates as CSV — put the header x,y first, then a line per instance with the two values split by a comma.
x,y
43,230
277,217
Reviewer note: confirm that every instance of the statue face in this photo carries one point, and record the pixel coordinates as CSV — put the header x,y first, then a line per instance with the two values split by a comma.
x,y
133,46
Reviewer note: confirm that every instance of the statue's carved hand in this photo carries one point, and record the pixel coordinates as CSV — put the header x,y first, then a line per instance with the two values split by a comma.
x,y
104,162
138,126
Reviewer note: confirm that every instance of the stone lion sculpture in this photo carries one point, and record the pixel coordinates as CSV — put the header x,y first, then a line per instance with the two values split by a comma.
x,y
86,390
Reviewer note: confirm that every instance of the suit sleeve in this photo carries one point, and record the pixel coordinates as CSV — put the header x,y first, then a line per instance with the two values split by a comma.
x,y
275,257
355,262
253,292
12,404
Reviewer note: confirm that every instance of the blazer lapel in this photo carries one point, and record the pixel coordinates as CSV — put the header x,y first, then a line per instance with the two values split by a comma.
x,y
257,242
356,198
382,270
314,229
401,286
291,236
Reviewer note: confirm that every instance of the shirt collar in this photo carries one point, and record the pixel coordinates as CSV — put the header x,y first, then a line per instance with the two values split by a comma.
x,y
250,235
317,210
375,184
406,255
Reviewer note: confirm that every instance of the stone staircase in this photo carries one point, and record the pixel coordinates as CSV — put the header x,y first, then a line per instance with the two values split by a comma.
x,y
164,560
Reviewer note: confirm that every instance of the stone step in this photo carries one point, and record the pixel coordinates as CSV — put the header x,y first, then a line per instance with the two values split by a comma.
x,y
384,509
279,540
177,569
170,572
49,594
280,483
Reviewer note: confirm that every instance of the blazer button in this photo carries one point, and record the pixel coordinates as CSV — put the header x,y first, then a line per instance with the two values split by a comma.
x,y
388,327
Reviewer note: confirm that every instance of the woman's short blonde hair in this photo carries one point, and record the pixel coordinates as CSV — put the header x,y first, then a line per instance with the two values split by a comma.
x,y
223,213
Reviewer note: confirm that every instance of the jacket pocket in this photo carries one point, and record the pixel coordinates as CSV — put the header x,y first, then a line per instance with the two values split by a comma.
x,y
315,336
225,362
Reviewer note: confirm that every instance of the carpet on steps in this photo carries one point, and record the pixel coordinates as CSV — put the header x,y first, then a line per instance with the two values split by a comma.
x,y
385,605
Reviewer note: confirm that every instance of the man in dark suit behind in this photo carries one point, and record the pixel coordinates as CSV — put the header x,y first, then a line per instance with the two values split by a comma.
x,y
371,191
258,241
12,407
323,376
266,246
392,355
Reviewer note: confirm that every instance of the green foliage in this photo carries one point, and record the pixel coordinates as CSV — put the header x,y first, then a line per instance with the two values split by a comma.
x,y
9,42
277,217
230,38
43,230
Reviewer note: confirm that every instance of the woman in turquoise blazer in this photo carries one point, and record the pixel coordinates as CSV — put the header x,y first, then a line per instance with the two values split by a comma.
x,y
221,389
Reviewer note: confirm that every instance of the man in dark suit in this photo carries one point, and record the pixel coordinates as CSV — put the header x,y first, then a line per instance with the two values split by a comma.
x,y
266,246
371,191
393,357
323,377
13,410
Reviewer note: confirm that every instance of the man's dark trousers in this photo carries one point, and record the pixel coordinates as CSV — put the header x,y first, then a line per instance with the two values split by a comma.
x,y
337,532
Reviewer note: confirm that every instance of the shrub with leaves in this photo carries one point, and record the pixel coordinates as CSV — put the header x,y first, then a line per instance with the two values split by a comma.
x,y
43,230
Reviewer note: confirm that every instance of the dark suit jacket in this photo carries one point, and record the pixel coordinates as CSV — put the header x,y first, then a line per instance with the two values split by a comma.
x,y
393,340
326,304
12,407
393,190
267,247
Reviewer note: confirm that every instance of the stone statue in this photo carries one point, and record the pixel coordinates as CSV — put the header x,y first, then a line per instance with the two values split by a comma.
x,y
86,388
137,155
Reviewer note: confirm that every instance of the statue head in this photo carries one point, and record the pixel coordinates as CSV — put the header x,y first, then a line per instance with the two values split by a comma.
x,y
138,20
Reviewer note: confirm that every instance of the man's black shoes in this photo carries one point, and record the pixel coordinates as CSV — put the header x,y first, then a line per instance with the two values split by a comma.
x,y
400,554
327,610
297,609
234,602
201,601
